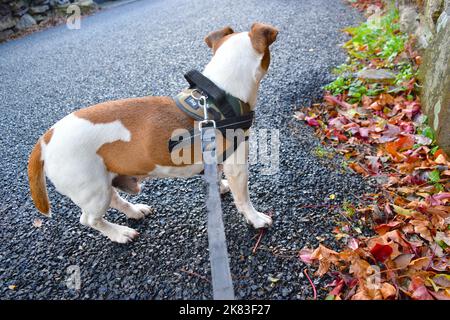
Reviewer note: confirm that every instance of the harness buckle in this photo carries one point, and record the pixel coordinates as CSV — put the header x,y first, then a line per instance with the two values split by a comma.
x,y
206,122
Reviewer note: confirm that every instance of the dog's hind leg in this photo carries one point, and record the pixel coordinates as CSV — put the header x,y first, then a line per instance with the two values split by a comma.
x,y
92,216
132,211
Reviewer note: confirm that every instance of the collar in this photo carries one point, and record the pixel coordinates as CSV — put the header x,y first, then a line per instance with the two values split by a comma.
x,y
187,101
222,105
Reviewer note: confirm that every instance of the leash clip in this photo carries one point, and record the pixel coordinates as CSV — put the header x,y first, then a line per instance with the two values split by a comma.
x,y
206,122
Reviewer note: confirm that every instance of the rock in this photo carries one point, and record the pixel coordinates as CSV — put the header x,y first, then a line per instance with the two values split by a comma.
x,y
86,6
376,75
19,8
40,2
59,3
40,17
409,19
7,22
434,73
25,22
5,34
39,9
4,10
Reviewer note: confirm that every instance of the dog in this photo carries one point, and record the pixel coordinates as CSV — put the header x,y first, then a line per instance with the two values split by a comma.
x,y
93,152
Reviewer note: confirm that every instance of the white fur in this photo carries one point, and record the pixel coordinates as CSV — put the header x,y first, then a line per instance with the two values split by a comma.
x,y
77,171
71,160
173,172
236,68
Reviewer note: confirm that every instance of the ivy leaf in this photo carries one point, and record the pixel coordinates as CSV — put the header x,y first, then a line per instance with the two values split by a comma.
x,y
434,176
428,132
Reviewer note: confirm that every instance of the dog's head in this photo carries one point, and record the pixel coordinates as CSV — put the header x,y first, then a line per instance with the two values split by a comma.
x,y
261,37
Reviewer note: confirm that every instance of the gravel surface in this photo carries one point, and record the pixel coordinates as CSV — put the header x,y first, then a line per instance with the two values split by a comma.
x,y
143,48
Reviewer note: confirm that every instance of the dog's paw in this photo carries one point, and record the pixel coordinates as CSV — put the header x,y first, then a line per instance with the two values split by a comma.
x,y
224,187
260,220
138,211
122,234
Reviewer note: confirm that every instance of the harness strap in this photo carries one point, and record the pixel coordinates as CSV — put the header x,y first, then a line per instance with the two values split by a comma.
x,y
242,122
197,79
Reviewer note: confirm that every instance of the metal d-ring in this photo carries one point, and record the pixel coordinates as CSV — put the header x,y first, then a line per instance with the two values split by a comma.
x,y
204,104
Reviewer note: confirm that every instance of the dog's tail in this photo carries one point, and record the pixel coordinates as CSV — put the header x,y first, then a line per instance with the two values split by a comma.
x,y
36,179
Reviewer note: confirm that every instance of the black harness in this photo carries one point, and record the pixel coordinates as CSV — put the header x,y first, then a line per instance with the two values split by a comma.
x,y
226,110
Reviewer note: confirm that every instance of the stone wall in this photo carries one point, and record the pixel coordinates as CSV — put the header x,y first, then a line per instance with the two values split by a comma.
x,y
16,16
429,21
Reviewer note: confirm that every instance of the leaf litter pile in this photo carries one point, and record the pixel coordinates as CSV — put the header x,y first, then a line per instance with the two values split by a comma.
x,y
371,114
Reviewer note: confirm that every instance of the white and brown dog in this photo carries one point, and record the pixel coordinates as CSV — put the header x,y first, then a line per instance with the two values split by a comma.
x,y
113,144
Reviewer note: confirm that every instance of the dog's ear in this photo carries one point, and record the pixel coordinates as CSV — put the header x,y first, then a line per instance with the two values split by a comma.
x,y
262,36
213,38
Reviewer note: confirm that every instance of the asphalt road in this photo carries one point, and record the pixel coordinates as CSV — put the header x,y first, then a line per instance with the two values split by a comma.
x,y
143,48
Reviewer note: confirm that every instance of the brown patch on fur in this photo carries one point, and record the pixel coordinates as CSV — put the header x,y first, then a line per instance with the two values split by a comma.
x,y
36,176
262,36
127,184
48,136
215,39
151,122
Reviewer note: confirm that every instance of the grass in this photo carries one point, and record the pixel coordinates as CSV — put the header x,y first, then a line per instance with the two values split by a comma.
x,y
379,43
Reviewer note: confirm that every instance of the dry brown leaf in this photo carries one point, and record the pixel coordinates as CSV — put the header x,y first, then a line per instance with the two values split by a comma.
x,y
420,263
388,291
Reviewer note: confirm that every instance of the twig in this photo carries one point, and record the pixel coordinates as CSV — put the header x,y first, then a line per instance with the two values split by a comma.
x,y
192,273
261,234
305,271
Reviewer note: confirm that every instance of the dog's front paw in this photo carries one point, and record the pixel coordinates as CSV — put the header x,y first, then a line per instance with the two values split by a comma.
x,y
260,220
138,211
122,234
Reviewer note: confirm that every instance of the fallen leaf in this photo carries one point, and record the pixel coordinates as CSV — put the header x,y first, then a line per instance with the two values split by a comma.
x,y
402,211
305,255
420,263
325,257
421,293
442,280
273,280
388,291
403,260
381,252
441,295
312,121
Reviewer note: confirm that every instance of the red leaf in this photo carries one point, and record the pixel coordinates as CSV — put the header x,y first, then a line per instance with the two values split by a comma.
x,y
337,289
381,252
312,121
